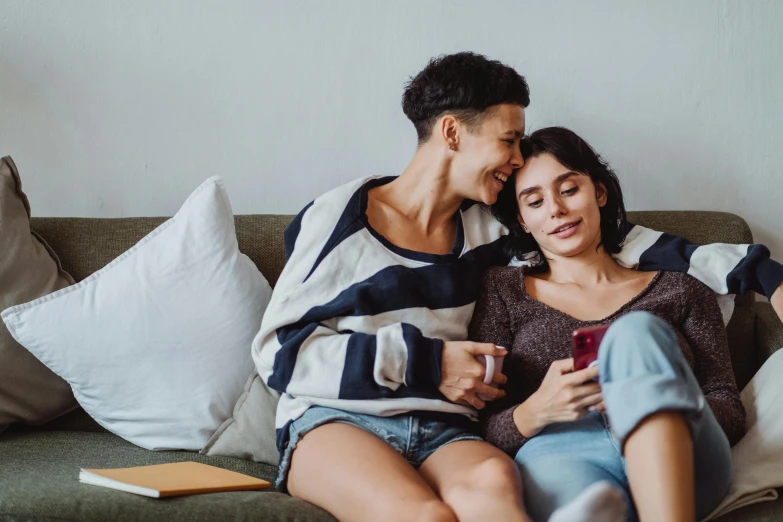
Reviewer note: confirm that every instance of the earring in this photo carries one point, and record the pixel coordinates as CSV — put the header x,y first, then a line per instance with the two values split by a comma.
x,y
452,145
525,229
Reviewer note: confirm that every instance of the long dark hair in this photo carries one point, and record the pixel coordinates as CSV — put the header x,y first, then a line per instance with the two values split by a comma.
x,y
575,154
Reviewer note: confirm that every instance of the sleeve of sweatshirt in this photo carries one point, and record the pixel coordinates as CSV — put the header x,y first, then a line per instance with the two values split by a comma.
x,y
725,268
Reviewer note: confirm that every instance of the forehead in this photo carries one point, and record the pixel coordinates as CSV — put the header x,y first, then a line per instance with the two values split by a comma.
x,y
539,170
506,117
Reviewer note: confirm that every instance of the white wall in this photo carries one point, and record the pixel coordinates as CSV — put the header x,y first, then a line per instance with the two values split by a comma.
x,y
120,108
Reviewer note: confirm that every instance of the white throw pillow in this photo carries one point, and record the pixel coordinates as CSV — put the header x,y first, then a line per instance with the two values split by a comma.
x,y
758,457
156,345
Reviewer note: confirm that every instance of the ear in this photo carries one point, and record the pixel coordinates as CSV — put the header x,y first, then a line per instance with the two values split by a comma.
x,y
449,131
522,222
601,194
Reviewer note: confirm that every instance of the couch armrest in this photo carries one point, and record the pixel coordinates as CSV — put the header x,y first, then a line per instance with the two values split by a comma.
x,y
769,332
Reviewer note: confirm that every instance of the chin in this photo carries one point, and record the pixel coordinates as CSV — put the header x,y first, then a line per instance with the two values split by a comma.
x,y
569,251
488,197
489,200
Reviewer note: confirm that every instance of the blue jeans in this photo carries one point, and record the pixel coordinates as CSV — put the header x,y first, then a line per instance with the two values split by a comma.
x,y
642,371
415,436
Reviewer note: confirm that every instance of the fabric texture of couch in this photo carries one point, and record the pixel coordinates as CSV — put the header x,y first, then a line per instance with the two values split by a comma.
x,y
39,466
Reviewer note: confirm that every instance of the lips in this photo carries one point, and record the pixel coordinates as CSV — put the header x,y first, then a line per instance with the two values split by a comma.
x,y
566,229
500,176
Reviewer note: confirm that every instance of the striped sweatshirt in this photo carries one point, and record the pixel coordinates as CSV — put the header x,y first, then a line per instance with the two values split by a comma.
x,y
358,324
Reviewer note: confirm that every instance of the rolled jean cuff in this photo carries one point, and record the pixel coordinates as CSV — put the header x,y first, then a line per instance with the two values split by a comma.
x,y
630,401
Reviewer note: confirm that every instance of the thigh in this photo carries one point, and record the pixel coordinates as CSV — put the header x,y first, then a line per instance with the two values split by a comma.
x,y
476,480
355,475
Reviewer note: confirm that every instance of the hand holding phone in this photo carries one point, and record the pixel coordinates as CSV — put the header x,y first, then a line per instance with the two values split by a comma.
x,y
564,396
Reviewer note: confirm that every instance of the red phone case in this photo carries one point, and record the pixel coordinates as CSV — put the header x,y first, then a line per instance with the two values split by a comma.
x,y
585,345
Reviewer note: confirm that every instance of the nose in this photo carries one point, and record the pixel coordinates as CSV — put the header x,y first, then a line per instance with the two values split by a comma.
x,y
556,206
517,161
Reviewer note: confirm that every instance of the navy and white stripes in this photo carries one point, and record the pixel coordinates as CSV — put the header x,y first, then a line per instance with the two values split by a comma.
x,y
726,269
358,324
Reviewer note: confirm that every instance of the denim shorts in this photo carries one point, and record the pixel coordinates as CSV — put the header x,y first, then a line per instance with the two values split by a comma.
x,y
415,435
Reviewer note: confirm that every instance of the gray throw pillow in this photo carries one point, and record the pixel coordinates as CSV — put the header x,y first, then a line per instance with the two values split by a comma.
x,y
29,269
250,433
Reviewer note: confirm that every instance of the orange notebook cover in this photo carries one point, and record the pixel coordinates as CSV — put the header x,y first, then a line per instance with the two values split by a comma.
x,y
168,480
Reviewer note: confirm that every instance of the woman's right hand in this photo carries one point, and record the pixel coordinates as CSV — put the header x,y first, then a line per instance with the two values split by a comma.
x,y
564,396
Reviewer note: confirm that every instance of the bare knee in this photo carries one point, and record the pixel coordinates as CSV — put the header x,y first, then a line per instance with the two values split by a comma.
x,y
495,477
430,511
499,474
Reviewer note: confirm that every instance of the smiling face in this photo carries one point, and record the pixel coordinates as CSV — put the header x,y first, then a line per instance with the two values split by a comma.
x,y
489,154
560,207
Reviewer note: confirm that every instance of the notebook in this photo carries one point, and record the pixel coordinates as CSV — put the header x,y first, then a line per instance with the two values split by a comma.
x,y
167,480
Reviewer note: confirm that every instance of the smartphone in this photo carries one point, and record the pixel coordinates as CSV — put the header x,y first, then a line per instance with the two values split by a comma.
x,y
585,345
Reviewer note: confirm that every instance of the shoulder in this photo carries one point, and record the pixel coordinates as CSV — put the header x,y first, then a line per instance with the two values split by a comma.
x,y
481,227
504,283
689,290
340,206
327,220
685,283
335,201
500,276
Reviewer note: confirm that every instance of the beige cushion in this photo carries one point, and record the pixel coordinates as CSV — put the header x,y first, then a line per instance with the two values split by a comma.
x,y
250,433
758,457
29,391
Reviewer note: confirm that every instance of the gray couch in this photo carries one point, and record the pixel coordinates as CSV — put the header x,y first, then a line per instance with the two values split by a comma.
x,y
39,466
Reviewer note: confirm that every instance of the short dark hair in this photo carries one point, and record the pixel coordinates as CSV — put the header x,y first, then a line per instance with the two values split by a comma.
x,y
574,153
464,84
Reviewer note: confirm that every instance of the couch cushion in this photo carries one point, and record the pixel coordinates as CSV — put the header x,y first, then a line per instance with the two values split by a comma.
x,y
77,420
86,245
89,244
39,480
764,512
29,391
177,311
250,432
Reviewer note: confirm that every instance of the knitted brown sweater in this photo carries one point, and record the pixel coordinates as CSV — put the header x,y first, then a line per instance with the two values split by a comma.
x,y
537,335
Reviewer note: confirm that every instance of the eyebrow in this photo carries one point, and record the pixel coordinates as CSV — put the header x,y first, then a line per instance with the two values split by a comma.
x,y
559,179
514,133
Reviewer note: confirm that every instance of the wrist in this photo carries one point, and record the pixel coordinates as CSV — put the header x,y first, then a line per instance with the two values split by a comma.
x,y
526,421
776,300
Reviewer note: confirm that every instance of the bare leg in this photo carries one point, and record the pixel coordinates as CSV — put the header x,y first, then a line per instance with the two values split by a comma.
x,y
477,481
354,475
659,459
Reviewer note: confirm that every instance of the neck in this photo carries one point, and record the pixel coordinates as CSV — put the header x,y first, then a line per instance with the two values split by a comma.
x,y
423,192
591,267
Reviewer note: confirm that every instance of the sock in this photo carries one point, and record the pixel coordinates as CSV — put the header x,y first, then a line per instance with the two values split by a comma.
x,y
599,503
